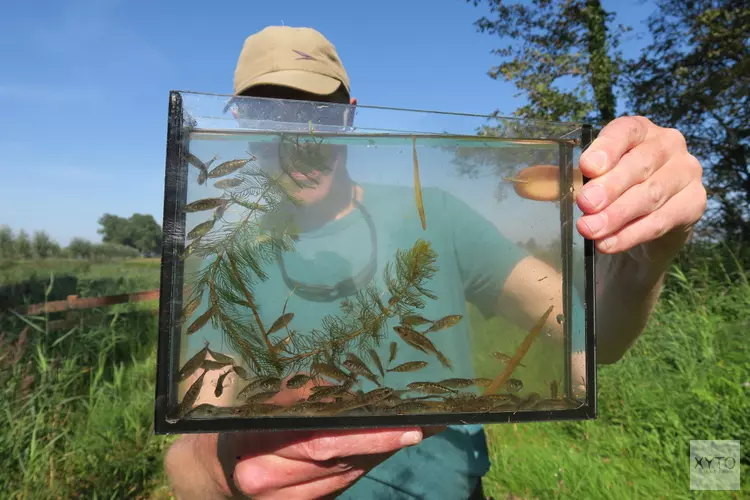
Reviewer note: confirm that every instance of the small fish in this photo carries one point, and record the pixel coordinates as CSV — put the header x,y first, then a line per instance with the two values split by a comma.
x,y
192,364
228,183
202,320
250,387
409,366
202,176
393,352
421,342
497,398
306,408
278,346
530,402
414,320
408,335
560,318
203,410
457,383
227,168
190,248
513,385
330,371
418,185
409,407
333,408
297,381
376,395
255,409
376,361
265,383
213,365
280,323
219,212
444,360
474,405
515,180
323,392
356,365
504,358
191,396
204,204
444,322
261,397
429,388
241,372
221,358
251,205
515,399
201,229
195,161
191,306
220,383
482,382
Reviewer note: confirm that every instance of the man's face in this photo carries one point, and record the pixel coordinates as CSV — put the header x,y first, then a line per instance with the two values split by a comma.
x,y
310,168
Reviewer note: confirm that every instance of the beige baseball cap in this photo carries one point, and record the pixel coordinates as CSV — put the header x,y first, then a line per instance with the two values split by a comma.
x,y
300,58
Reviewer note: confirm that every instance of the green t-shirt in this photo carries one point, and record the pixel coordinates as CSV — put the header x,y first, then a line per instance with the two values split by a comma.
x,y
474,260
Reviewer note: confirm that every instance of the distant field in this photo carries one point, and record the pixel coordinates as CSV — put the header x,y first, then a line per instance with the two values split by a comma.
x,y
21,270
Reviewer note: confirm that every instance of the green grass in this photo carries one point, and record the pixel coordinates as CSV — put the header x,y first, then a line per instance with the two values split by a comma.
x,y
146,270
76,407
688,377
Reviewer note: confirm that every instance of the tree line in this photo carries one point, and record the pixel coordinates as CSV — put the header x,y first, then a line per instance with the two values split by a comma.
x,y
136,236
565,57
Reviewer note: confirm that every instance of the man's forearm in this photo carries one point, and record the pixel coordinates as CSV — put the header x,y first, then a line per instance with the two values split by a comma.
x,y
629,286
185,464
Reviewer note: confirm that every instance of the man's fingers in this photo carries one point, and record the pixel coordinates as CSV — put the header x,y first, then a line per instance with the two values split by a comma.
x,y
680,210
271,472
636,202
324,488
635,166
326,445
618,137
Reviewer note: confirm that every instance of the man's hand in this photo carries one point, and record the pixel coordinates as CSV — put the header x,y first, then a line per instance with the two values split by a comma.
x,y
645,192
285,465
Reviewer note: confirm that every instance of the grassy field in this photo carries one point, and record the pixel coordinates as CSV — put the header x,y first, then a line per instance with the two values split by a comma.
x,y
76,406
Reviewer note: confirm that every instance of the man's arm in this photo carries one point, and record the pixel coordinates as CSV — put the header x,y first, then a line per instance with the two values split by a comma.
x,y
644,197
630,284
628,287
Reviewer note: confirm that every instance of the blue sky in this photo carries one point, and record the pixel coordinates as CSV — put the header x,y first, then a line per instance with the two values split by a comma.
x,y
83,97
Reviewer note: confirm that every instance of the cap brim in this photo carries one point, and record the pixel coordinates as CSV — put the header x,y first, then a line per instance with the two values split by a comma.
x,y
305,81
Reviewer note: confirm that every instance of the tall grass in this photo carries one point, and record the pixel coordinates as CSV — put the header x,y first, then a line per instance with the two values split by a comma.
x,y
76,406
76,409
687,378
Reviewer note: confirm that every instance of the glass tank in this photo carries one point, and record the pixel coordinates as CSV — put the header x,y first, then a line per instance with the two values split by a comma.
x,y
329,266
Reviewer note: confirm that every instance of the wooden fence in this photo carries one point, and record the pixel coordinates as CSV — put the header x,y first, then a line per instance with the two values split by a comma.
x,y
74,302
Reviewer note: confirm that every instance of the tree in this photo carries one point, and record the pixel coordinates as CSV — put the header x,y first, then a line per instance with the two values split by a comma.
x,y
78,248
23,245
553,42
564,57
42,246
695,76
7,245
139,231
